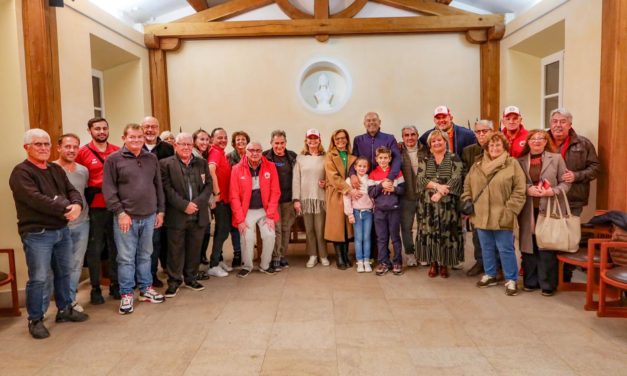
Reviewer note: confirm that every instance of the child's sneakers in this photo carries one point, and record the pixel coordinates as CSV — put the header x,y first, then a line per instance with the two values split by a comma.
x,y
382,269
360,267
397,269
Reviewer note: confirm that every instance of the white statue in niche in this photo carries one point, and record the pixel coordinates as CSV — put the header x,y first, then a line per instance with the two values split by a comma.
x,y
324,95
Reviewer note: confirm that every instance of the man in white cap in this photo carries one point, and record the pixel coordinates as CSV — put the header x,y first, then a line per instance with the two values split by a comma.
x,y
458,137
514,130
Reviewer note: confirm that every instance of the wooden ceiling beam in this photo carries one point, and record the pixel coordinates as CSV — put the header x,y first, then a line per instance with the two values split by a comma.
x,y
352,26
291,11
350,11
425,7
321,12
225,10
198,5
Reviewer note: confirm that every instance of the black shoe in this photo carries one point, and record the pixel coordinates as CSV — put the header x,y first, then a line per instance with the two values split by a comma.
x,y
269,271
194,285
70,314
284,264
37,329
171,291
204,260
346,256
95,296
237,260
339,257
156,282
202,276
276,264
476,269
529,289
548,292
243,273
114,290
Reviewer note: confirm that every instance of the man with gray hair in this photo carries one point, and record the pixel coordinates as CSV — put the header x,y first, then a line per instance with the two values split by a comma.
x,y
411,152
255,193
45,202
187,186
581,160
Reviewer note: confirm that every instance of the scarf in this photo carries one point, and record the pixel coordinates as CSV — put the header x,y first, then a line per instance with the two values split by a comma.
x,y
488,166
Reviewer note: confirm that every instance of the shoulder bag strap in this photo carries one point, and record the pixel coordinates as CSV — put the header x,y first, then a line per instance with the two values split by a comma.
x,y
484,187
96,154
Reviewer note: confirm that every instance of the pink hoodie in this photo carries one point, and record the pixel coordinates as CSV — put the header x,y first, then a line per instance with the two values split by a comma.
x,y
365,202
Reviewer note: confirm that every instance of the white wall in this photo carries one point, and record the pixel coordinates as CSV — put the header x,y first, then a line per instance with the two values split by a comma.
x,y
582,61
251,84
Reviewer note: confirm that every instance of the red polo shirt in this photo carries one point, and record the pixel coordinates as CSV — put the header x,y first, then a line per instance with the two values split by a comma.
x,y
217,157
88,159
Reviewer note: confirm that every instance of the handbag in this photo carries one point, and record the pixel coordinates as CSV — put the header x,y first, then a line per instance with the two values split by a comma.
x,y
556,231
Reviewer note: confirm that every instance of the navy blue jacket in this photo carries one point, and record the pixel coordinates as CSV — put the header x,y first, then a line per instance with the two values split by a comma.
x,y
366,146
462,137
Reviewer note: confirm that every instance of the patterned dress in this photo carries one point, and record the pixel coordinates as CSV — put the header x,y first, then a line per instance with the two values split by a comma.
x,y
440,236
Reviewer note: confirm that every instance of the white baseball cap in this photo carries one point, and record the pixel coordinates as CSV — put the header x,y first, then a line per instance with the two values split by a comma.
x,y
441,110
313,132
511,110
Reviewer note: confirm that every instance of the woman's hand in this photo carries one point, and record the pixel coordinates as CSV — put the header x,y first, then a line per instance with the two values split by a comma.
x,y
351,218
547,192
297,208
322,183
442,189
534,191
355,194
436,197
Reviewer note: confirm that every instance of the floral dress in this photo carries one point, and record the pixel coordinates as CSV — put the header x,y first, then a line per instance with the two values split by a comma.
x,y
440,235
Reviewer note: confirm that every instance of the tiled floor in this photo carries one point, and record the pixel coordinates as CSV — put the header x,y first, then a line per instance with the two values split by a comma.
x,y
323,321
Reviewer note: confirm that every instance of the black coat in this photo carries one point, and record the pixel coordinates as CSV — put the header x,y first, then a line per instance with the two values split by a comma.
x,y
177,192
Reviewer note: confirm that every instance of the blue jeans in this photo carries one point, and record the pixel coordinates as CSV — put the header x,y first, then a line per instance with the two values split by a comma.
x,y
80,238
134,251
501,241
45,250
362,229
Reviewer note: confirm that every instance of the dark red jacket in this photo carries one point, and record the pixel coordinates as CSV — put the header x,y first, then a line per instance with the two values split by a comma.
x,y
242,187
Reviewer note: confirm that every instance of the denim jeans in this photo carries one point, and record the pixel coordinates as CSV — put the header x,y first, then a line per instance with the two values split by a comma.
x,y
501,241
134,251
45,250
362,229
80,237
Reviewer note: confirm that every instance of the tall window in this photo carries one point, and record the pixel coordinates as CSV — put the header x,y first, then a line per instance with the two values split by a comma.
x,y
552,73
98,92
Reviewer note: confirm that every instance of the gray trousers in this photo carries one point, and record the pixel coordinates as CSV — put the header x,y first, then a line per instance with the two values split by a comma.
x,y
314,230
283,229
409,213
256,217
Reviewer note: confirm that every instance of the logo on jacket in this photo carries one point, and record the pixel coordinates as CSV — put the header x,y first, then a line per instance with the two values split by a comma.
x,y
266,175
522,143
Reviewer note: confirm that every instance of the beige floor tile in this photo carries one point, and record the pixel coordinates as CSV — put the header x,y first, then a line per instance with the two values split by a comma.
x,y
360,310
236,362
374,361
500,332
481,306
450,361
368,334
405,287
257,311
435,333
307,289
316,335
407,310
300,362
343,292
526,360
593,360
237,335
304,310
170,357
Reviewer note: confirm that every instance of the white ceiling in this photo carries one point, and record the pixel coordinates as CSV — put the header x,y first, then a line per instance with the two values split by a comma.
x,y
151,11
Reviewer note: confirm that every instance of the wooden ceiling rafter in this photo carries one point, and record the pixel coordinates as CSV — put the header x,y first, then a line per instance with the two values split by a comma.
x,y
225,10
424,7
198,5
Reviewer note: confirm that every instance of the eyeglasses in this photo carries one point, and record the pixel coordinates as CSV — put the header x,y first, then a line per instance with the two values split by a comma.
x,y
253,151
147,126
184,145
535,139
482,131
40,144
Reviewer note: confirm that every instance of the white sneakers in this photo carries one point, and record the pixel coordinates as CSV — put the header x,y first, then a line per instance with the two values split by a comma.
x,y
324,261
367,267
225,267
360,267
217,271
313,260
411,260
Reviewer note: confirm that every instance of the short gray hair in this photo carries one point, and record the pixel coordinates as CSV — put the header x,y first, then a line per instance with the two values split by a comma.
x,y
412,127
486,122
183,136
166,134
277,133
35,132
564,112
254,143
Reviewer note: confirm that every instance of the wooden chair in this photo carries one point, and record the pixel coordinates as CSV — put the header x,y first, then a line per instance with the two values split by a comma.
x,y
614,276
580,258
10,278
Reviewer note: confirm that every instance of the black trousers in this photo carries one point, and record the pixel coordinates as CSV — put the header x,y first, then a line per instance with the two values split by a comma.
x,y
159,249
101,239
540,268
183,256
221,232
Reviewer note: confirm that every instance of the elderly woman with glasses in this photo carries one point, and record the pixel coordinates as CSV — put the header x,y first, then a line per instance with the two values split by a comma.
x,y
544,172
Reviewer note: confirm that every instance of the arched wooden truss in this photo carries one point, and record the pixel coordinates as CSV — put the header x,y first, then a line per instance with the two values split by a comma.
x,y
433,16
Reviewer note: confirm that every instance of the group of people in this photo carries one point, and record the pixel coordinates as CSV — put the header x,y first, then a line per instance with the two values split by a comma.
x,y
152,200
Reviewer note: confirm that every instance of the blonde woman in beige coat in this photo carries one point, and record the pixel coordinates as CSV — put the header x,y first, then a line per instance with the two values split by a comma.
x,y
497,183
337,162
544,172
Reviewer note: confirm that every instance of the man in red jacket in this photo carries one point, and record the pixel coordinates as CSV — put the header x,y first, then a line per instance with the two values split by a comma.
x,y
254,194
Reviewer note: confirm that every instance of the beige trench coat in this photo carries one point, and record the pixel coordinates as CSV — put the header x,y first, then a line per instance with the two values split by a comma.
x,y
335,189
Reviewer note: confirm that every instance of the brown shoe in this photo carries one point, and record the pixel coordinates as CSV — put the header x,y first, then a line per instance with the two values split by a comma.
x,y
444,271
476,269
433,270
